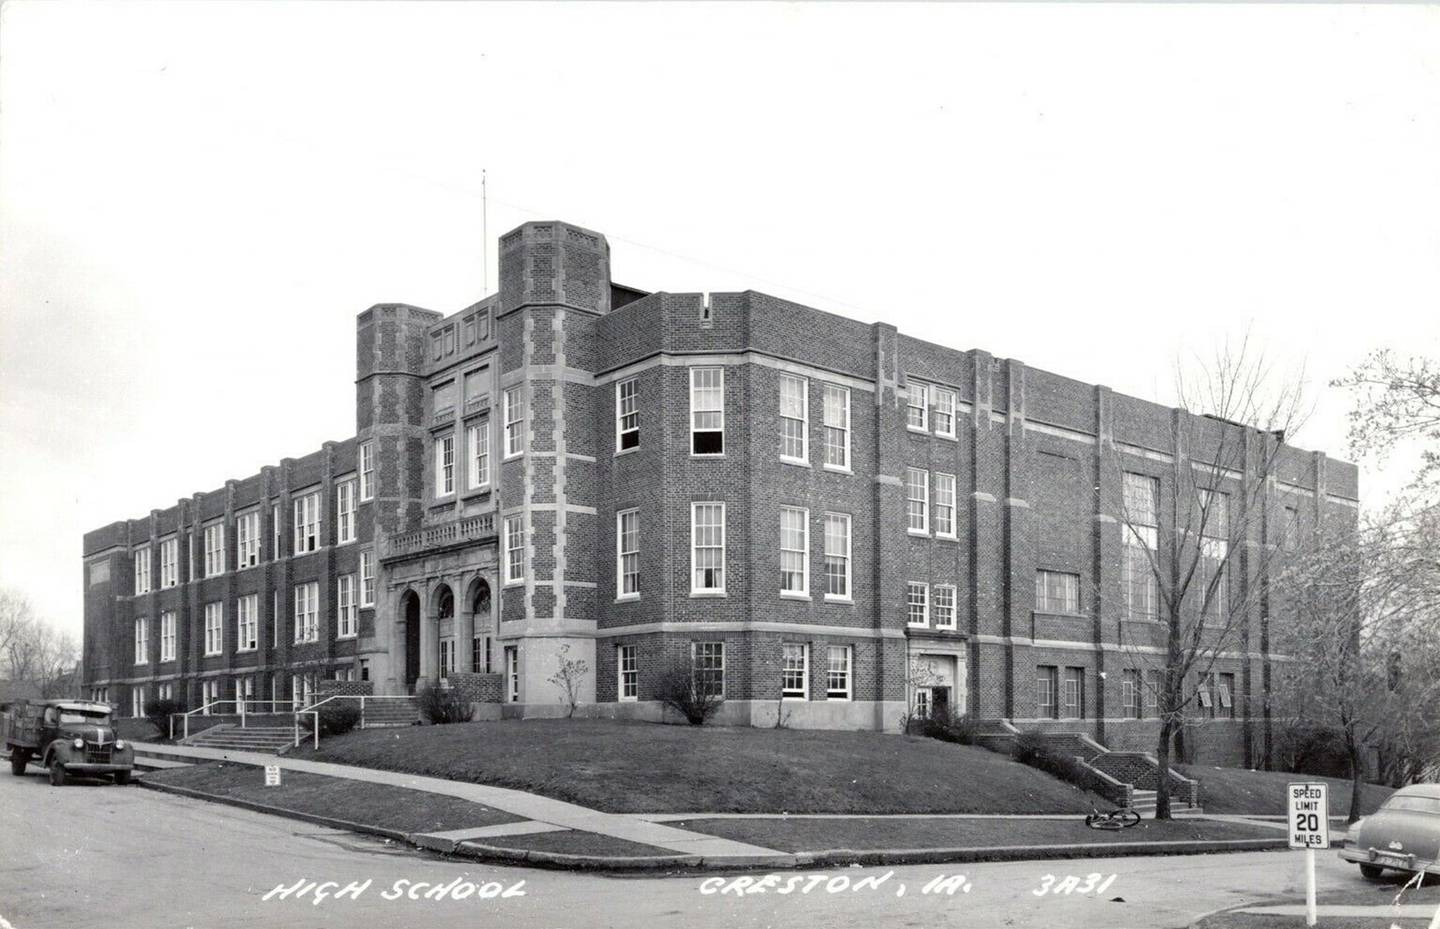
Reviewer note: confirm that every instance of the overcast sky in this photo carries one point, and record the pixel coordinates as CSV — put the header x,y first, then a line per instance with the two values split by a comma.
x,y
197,199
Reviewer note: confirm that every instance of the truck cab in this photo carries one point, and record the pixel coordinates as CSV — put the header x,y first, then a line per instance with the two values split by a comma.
x,y
69,736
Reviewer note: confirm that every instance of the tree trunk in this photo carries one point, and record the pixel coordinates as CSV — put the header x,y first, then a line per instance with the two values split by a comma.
x,y
1162,755
1355,772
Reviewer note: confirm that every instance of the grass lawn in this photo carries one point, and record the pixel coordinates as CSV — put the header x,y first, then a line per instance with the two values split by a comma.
x,y
812,835
637,767
1262,793
381,805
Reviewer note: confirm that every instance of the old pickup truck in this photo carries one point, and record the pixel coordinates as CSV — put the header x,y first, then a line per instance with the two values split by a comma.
x,y
68,736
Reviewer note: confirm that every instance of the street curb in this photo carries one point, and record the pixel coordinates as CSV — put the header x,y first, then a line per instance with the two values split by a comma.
x,y
274,810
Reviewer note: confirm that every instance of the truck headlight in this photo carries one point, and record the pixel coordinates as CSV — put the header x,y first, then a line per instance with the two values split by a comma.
x,y
79,743
119,745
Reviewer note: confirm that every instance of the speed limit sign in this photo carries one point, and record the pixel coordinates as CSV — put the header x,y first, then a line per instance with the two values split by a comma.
x,y
1309,818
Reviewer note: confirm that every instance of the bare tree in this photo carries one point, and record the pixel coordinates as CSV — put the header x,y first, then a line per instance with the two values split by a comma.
x,y
1397,400
570,679
17,618
33,651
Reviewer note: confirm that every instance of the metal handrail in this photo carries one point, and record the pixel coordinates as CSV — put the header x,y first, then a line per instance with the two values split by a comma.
x,y
241,704
313,710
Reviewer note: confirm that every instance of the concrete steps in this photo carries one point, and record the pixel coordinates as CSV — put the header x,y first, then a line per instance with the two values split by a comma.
x,y
270,739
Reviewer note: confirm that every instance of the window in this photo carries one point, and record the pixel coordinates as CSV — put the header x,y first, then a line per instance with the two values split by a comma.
x,y
627,414
1214,549
302,690
479,654
627,554
214,549
275,532
1130,693
707,411
165,692
169,563
137,701
837,672
142,640
447,656
247,539
275,618
345,513
367,471
445,465
307,612
214,617
307,523
1152,689
794,551
367,578
708,660
1057,592
247,614
345,598
1290,539
837,427
1140,538
945,504
917,499
142,570
190,555
945,412
628,671
1206,701
478,437
918,403
794,419
167,636
515,421
1046,677
917,604
837,556
795,671
245,690
1226,694
1074,693
512,674
707,548
944,606
514,549
209,693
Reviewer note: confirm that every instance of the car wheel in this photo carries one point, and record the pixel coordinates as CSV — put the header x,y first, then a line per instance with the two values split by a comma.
x,y
1371,871
57,774
122,778
17,763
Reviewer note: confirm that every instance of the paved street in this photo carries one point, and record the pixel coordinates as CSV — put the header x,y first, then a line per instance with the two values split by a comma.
x,y
104,856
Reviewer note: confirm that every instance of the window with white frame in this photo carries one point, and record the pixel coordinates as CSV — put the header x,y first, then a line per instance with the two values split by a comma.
x,y
167,636
165,692
307,612
1130,693
1152,689
345,600
447,656
169,563
302,689
917,405
794,419
209,693
1074,694
1047,679
708,661
514,549
214,549
1057,592
247,623
627,554
794,550
247,539
837,556
944,606
137,701
627,414
477,438
1140,538
837,672
142,640
214,628
307,523
1214,547
917,500
367,578
367,470
707,548
944,412
275,547
515,421
245,690
141,558
707,411
627,666
512,674
345,512
837,427
445,466
945,504
275,618
795,671
917,604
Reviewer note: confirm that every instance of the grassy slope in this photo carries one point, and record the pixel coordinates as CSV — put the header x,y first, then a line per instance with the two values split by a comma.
x,y
1262,793
628,767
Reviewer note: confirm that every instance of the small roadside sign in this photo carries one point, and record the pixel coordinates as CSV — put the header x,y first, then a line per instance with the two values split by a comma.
x,y
272,775
1309,815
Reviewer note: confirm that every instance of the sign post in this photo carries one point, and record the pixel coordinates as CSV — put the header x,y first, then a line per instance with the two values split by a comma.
x,y
272,775
1308,808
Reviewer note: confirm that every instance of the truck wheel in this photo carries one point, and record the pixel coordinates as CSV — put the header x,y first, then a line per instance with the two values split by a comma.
x,y
122,778
17,762
1371,871
57,774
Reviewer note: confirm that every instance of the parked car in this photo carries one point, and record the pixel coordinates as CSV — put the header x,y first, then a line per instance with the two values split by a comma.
x,y
1403,834
68,736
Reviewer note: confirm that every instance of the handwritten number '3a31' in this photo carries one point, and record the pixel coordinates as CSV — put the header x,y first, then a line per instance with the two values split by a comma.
x,y
1093,883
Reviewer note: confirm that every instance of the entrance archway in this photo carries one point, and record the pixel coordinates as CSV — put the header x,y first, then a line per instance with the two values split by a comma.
x,y
410,609
482,627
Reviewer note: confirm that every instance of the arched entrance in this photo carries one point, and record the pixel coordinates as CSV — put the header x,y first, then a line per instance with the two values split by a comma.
x,y
410,609
483,628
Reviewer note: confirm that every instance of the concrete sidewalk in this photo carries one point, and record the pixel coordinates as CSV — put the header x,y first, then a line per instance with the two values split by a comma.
x,y
1404,911
530,806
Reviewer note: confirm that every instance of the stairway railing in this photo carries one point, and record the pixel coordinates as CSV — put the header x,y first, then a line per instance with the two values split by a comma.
x,y
313,711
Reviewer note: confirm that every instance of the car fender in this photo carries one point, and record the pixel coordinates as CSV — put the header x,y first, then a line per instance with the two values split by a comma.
x,y
59,750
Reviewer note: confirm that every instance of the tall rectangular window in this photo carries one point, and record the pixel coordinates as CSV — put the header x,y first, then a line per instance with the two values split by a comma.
x,y
307,523
1140,539
275,529
514,549
275,618
367,578
1046,684
1130,693
1226,694
794,550
1074,707
627,553
917,604
945,504
169,563
837,672
708,661
917,407
1290,529
142,640
247,539
478,438
167,636
447,656
1057,592
214,549
837,556
515,421
627,414
367,471
1214,549
707,548
707,411
247,623
512,674
917,500
345,599
627,670
944,412
345,513
794,419
1152,689
307,612
837,427
795,671
944,606
142,570
445,465
214,628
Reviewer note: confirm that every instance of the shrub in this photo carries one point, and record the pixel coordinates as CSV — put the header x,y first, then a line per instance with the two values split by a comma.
x,y
946,727
338,716
158,713
677,689
1031,749
441,705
